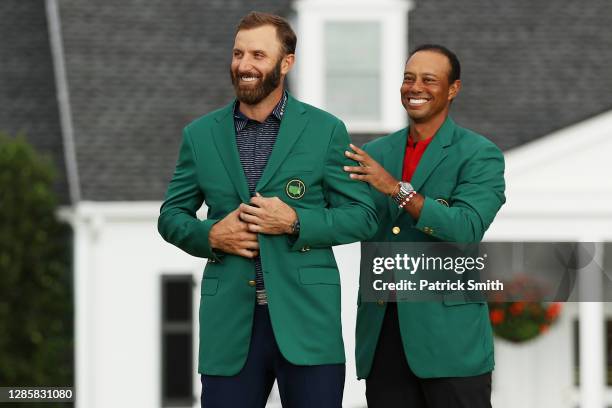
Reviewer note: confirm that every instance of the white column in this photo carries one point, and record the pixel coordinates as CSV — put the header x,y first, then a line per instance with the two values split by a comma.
x,y
82,315
591,314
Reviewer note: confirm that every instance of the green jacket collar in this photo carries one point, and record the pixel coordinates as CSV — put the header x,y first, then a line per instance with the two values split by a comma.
x,y
224,134
434,154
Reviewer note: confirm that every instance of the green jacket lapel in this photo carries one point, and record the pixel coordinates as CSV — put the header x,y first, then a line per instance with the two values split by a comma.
x,y
432,157
292,125
224,135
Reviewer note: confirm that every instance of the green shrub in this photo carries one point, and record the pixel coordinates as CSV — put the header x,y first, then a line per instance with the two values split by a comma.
x,y
36,316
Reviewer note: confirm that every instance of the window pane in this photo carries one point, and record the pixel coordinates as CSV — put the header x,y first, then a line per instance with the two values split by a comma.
x,y
576,336
352,45
178,366
352,69
352,96
608,345
177,340
177,300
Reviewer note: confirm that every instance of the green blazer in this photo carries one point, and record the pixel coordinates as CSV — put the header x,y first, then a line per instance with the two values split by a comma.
x,y
452,338
301,275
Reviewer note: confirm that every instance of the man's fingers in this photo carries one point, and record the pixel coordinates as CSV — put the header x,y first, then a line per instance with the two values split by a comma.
x,y
247,235
247,253
251,219
360,155
234,215
356,169
258,200
351,155
362,177
255,228
364,161
249,209
250,244
358,150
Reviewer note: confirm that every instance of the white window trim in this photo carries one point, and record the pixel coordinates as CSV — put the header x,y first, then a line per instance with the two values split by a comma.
x,y
310,65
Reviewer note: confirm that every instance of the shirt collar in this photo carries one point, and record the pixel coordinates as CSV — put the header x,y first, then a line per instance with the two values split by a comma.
x,y
423,143
241,120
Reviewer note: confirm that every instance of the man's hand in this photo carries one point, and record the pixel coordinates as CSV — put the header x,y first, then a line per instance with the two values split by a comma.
x,y
232,236
268,215
370,171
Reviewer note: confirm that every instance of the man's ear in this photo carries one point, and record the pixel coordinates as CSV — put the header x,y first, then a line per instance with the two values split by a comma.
x,y
287,63
454,89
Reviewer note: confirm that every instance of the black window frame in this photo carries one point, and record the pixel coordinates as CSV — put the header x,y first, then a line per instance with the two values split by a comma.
x,y
182,327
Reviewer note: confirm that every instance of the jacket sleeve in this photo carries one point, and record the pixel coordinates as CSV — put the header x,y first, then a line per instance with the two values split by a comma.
x,y
475,201
350,214
177,222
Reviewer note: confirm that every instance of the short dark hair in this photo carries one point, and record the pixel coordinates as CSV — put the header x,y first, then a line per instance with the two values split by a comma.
x,y
284,32
455,71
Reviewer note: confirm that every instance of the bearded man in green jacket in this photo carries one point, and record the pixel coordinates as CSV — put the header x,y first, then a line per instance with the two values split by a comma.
x,y
433,181
269,169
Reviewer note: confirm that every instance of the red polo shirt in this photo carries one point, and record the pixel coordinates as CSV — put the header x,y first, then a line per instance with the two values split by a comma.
x,y
414,152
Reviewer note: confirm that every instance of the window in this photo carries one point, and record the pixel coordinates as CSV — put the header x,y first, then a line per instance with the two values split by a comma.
x,y
608,346
177,340
353,69
606,278
350,60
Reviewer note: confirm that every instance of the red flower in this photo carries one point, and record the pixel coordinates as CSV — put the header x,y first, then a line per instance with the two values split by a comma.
x,y
517,308
553,311
497,316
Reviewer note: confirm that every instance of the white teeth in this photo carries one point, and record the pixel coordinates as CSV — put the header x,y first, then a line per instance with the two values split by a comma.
x,y
248,79
417,101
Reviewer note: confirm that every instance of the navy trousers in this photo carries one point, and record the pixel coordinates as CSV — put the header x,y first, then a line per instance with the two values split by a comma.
x,y
318,386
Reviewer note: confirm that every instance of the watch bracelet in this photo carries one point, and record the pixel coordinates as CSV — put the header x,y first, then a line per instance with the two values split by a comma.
x,y
407,200
403,192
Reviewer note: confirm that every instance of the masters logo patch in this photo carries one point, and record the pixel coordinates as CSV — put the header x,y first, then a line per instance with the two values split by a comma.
x,y
295,189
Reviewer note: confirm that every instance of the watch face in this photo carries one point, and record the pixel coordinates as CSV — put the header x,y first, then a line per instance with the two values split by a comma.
x,y
407,186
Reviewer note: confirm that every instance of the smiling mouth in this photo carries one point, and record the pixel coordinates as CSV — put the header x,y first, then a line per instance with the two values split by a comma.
x,y
248,78
417,101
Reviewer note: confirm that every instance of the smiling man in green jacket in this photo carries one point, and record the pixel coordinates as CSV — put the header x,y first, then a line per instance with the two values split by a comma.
x,y
433,181
269,169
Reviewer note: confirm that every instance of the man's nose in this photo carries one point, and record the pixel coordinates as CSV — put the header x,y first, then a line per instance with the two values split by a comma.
x,y
245,64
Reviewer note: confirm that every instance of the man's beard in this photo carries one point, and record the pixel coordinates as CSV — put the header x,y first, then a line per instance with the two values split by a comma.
x,y
253,95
